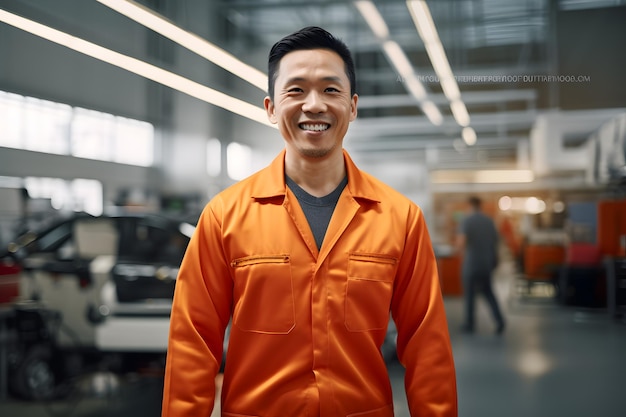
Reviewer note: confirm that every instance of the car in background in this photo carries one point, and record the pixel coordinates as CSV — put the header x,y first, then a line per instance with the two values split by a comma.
x,y
95,293
92,290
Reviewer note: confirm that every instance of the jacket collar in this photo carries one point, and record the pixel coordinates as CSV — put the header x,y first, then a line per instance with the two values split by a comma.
x,y
271,181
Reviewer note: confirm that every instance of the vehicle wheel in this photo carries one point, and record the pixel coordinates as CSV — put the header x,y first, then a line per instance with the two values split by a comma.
x,y
34,378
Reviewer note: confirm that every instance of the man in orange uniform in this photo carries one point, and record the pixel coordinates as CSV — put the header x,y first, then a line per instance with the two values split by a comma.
x,y
309,256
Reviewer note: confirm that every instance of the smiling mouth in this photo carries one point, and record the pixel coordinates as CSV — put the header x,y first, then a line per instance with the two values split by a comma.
x,y
314,127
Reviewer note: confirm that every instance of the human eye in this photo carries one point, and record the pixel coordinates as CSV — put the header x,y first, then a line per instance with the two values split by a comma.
x,y
331,90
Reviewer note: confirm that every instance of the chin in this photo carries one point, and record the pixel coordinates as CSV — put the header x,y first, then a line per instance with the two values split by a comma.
x,y
315,153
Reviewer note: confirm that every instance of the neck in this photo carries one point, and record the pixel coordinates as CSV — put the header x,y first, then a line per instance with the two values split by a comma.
x,y
318,177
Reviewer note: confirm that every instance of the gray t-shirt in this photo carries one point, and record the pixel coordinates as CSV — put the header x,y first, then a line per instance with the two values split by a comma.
x,y
318,210
481,243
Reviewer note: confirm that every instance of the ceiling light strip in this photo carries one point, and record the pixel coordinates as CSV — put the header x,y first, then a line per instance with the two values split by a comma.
x,y
202,47
426,28
398,59
373,18
459,111
412,84
432,112
469,136
138,67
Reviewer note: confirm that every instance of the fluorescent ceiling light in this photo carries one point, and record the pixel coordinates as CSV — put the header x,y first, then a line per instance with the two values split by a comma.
x,y
373,19
202,47
416,88
138,67
426,28
485,176
423,21
459,111
469,136
450,87
398,59
432,112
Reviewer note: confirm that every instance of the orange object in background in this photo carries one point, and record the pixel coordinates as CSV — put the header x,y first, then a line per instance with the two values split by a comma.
x,y
509,236
611,227
542,261
450,275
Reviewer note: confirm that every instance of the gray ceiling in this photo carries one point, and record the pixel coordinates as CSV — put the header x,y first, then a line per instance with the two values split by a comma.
x,y
483,39
501,52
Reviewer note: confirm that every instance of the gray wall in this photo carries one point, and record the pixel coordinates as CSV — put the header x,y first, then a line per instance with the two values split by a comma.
x,y
36,67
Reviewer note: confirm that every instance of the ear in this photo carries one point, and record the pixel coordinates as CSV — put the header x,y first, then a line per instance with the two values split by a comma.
x,y
353,109
269,108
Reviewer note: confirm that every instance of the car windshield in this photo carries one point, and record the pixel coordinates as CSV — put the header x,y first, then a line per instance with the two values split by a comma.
x,y
147,240
50,241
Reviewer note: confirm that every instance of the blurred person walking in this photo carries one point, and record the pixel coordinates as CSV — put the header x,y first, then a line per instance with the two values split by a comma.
x,y
477,240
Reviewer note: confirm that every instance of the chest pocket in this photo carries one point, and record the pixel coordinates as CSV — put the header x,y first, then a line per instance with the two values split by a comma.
x,y
368,291
263,294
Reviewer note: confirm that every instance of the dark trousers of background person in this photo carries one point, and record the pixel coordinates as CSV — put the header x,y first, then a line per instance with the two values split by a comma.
x,y
479,283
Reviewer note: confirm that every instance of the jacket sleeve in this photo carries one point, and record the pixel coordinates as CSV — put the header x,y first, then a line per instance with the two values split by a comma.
x,y
200,314
423,344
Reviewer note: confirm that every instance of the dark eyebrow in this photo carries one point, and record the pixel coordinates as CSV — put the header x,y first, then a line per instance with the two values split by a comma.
x,y
333,79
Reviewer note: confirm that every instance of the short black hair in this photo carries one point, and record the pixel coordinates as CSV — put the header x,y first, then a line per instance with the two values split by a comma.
x,y
475,202
310,37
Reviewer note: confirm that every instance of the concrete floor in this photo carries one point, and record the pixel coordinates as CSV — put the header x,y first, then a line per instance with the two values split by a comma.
x,y
552,361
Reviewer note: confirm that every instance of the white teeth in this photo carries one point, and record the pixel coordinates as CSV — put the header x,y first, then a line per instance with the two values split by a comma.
x,y
314,127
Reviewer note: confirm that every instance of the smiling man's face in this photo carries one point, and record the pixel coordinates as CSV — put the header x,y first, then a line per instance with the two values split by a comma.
x,y
312,103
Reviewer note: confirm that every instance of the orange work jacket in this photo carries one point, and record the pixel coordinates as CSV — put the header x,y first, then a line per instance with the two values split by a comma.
x,y
307,325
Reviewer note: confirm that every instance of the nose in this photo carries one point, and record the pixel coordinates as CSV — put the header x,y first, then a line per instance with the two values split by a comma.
x,y
314,103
